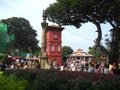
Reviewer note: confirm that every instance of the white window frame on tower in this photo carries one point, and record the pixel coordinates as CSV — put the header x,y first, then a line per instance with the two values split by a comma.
x,y
52,48
58,47
55,36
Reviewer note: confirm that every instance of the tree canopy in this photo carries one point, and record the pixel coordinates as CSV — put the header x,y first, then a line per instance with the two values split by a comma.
x,y
66,50
76,12
25,35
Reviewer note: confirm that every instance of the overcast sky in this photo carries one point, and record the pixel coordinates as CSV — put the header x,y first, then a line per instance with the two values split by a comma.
x,y
32,11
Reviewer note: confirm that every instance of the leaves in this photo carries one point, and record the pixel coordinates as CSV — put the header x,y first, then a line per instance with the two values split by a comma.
x,y
76,12
66,50
25,35
66,80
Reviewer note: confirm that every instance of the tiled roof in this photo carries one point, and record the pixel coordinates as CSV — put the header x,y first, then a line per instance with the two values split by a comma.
x,y
80,53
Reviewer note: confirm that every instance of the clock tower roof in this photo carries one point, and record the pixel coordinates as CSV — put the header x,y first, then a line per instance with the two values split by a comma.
x,y
55,27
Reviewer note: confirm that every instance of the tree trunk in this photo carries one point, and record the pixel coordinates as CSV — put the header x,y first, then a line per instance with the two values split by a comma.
x,y
114,51
98,40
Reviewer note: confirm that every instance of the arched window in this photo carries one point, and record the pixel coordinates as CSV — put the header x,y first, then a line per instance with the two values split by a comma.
x,y
58,47
52,47
55,36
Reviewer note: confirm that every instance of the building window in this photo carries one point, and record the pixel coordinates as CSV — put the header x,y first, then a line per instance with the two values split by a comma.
x,y
58,47
55,36
52,47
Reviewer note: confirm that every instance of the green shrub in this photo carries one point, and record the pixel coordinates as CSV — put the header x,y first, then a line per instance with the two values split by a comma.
x,y
65,80
3,57
112,84
1,72
7,83
29,75
48,80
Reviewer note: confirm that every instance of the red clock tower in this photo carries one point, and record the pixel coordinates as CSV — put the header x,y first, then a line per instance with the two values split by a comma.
x,y
54,44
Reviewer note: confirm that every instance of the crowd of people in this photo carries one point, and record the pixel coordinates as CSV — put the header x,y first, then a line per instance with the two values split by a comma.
x,y
100,67
74,65
20,64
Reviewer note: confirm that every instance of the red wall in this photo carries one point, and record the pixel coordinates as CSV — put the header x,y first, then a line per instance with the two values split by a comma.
x,y
53,41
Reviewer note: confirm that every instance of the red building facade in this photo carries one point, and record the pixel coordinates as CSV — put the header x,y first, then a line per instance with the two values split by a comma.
x,y
54,44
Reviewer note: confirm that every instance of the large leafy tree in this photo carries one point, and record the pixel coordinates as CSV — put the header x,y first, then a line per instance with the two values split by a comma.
x,y
112,16
96,53
25,35
76,12
66,50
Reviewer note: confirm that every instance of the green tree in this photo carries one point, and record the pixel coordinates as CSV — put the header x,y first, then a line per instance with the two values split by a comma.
x,y
76,12
3,58
25,35
66,50
94,52
113,17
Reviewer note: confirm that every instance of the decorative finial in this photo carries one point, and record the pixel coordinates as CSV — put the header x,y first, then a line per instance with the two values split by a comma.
x,y
44,15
